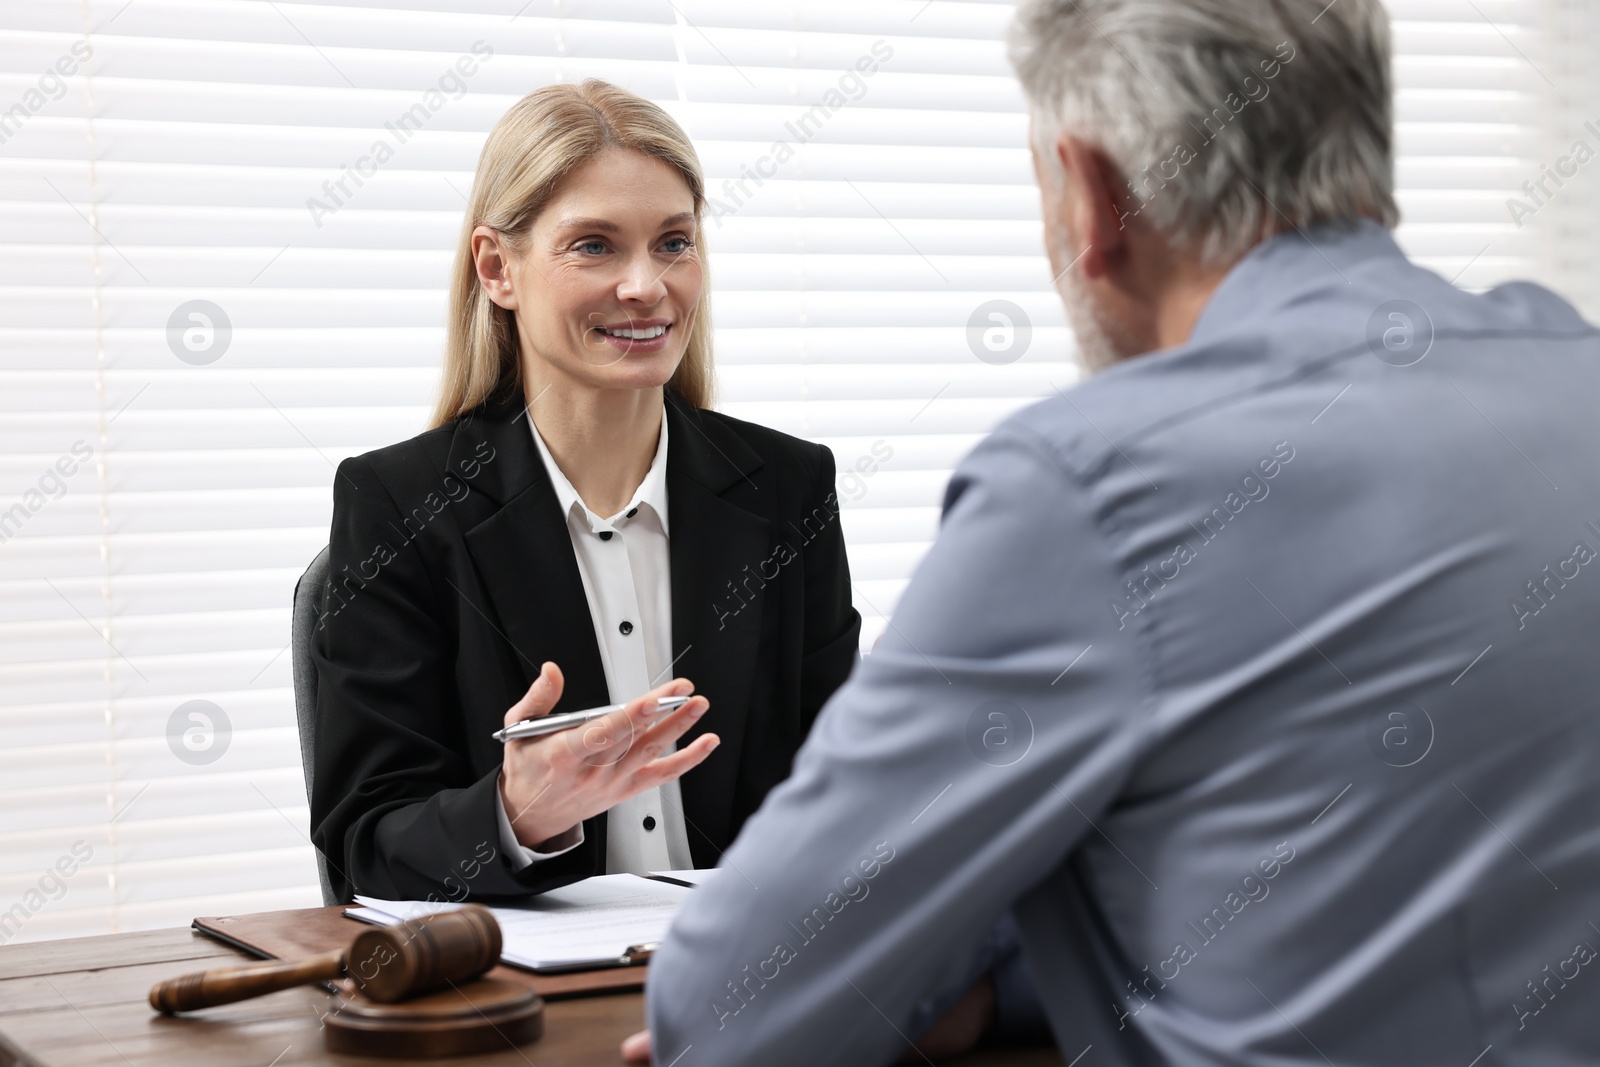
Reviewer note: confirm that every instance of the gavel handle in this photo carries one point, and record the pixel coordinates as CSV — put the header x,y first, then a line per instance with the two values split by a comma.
x,y
224,985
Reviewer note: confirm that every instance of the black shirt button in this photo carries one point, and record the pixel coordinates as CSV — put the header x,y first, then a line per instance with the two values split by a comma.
x,y
626,627
649,822
605,535
632,512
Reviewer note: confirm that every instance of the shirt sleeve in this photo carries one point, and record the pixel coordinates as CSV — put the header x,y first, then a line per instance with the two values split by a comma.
x,y
960,765
518,854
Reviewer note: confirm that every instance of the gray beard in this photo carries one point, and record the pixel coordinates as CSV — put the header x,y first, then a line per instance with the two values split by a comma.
x,y
1096,350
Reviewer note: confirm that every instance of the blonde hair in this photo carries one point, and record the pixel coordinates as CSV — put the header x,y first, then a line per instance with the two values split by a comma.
x,y
535,145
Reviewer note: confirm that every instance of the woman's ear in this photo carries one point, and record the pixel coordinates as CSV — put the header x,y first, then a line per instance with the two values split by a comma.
x,y
494,267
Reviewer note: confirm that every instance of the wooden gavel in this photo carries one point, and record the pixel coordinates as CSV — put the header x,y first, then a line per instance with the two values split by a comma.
x,y
387,963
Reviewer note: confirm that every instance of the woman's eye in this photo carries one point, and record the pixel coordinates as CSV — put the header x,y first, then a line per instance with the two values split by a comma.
x,y
676,246
592,248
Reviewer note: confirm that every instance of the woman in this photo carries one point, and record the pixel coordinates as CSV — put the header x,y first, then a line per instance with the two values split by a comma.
x,y
577,529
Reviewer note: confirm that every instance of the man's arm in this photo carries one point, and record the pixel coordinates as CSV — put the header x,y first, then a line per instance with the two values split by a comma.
x,y
961,763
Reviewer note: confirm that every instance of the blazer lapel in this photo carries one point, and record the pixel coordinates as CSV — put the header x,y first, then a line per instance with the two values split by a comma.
x,y
523,555
713,540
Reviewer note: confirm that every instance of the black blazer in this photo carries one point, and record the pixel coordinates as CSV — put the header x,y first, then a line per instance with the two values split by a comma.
x,y
452,578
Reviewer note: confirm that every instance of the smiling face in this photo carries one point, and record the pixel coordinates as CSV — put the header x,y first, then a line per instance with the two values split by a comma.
x,y
606,281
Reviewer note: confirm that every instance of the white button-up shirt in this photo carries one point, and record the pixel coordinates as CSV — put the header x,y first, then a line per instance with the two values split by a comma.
x,y
627,578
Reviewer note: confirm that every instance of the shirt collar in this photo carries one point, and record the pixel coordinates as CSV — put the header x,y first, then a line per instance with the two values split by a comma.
x,y
1284,268
651,493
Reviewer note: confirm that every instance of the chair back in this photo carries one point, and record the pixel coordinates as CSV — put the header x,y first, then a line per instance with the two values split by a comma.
x,y
309,592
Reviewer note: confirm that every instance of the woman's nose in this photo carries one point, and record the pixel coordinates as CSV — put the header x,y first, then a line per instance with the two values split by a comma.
x,y
642,281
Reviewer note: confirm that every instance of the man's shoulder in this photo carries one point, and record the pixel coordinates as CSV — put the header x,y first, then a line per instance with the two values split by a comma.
x,y
1132,407
1338,362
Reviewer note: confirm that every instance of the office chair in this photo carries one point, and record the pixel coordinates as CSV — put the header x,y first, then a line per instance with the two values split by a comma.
x,y
309,592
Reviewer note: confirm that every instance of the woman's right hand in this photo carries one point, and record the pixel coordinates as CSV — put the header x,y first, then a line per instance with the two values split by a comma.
x,y
551,784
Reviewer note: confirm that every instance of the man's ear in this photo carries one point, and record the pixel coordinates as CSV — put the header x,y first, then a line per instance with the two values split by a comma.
x,y
494,267
1098,204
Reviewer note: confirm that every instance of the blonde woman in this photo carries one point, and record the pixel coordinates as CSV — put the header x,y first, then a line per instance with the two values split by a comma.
x,y
577,529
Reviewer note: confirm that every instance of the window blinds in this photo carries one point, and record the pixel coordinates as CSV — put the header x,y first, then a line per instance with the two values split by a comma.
x,y
227,232
1565,218
1468,97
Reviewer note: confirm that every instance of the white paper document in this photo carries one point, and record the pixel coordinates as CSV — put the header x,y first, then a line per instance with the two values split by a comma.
x,y
694,877
588,924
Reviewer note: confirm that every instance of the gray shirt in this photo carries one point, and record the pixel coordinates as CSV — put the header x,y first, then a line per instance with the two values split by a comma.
x,y
1256,678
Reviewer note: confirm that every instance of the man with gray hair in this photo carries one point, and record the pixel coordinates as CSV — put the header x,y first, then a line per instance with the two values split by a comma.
x,y
1242,712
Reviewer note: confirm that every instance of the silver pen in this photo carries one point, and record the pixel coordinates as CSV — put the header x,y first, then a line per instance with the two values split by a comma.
x,y
549,724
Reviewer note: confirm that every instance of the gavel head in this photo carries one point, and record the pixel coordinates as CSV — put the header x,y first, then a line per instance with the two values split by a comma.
x,y
390,963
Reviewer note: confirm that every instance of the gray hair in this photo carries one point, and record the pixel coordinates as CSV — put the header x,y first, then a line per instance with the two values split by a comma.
x,y
1230,120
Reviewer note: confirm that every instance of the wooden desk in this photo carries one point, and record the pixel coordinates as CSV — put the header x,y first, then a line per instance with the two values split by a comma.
x,y
81,1003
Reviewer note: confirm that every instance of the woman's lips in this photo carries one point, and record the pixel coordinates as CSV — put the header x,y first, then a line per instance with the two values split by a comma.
x,y
637,344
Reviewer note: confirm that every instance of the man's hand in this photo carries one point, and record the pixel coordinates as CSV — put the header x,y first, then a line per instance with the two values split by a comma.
x,y
550,784
962,1027
636,1049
